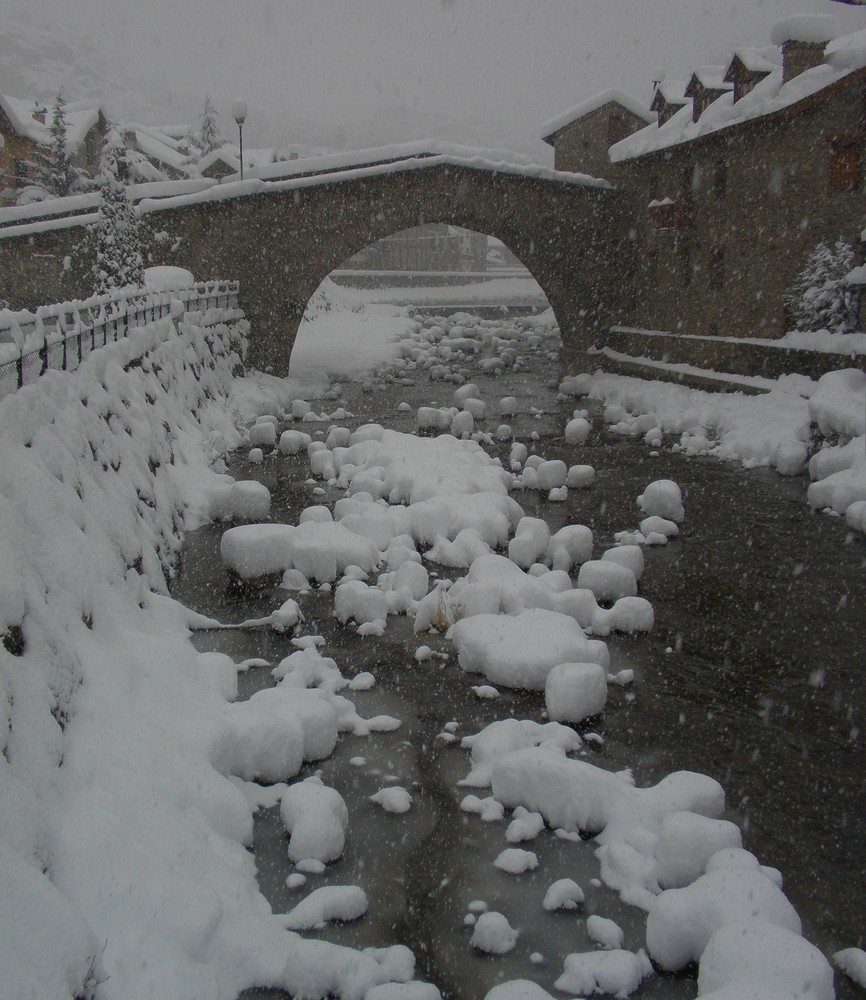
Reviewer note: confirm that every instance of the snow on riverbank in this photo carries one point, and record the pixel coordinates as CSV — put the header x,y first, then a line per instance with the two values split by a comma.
x,y
123,826
799,425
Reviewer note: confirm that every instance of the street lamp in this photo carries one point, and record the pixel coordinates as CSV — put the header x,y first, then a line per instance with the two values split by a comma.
x,y
239,113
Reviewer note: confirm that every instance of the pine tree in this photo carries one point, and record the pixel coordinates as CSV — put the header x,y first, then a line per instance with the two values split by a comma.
x,y
207,136
61,174
819,298
118,246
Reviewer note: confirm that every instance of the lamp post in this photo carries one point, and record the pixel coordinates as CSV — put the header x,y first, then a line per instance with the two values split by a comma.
x,y
239,113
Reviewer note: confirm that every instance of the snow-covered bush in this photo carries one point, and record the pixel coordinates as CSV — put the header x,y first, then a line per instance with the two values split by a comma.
x,y
820,298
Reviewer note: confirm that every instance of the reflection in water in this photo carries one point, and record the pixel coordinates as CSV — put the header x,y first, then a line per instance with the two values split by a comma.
x,y
751,675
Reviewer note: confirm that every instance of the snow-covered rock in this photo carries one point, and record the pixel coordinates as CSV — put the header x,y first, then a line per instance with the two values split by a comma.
x,y
493,934
520,650
662,498
575,691
325,905
564,894
316,818
617,972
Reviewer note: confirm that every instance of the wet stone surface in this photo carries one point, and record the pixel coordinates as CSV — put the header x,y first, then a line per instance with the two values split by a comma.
x,y
752,674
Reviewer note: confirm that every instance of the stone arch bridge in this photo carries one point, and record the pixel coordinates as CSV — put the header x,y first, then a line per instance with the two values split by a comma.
x,y
281,239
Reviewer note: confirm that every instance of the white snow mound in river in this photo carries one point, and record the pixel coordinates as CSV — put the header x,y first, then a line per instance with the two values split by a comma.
x,y
316,817
326,904
519,651
662,498
319,550
756,958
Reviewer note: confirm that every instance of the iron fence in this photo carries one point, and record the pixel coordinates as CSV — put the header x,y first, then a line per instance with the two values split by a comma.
x,y
59,337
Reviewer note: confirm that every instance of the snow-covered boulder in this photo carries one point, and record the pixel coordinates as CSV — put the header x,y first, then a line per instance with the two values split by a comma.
x,y
316,818
326,904
564,894
662,498
758,958
682,921
493,934
575,691
613,972
519,651
607,579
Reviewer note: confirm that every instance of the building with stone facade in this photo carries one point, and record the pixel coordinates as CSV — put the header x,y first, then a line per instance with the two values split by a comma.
x,y
746,168
581,136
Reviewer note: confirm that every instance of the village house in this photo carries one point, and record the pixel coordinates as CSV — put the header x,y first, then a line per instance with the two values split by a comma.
x,y
582,135
156,153
744,170
25,141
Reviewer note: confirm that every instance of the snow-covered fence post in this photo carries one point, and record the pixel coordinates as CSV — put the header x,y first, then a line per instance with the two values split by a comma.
x,y
42,342
63,327
18,339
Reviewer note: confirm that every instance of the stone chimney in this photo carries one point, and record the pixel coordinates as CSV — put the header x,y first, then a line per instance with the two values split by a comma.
x,y
803,39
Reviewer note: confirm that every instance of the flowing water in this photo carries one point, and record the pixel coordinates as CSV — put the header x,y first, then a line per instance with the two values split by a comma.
x,y
753,674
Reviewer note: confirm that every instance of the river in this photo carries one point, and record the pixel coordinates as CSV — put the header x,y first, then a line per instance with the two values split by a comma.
x,y
752,674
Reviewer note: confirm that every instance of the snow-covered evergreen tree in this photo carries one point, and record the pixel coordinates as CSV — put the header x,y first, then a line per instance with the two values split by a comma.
x,y
207,137
819,298
55,175
118,246
61,174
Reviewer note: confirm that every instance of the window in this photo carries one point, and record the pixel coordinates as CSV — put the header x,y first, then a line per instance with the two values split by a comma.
x,y
845,162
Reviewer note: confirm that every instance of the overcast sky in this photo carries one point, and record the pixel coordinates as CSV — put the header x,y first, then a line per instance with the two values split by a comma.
x,y
362,72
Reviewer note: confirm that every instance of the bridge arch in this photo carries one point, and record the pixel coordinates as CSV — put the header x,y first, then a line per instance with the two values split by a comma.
x,y
436,269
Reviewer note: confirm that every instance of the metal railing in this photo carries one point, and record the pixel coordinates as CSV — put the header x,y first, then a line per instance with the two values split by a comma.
x,y
60,337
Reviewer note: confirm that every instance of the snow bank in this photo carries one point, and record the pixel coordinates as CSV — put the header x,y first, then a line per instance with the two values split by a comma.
x,y
95,492
774,429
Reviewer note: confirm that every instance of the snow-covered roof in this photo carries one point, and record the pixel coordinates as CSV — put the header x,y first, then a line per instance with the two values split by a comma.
x,y
162,148
259,157
179,132
82,203
611,96
756,60
80,119
222,155
157,133
805,28
844,57
708,77
672,91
